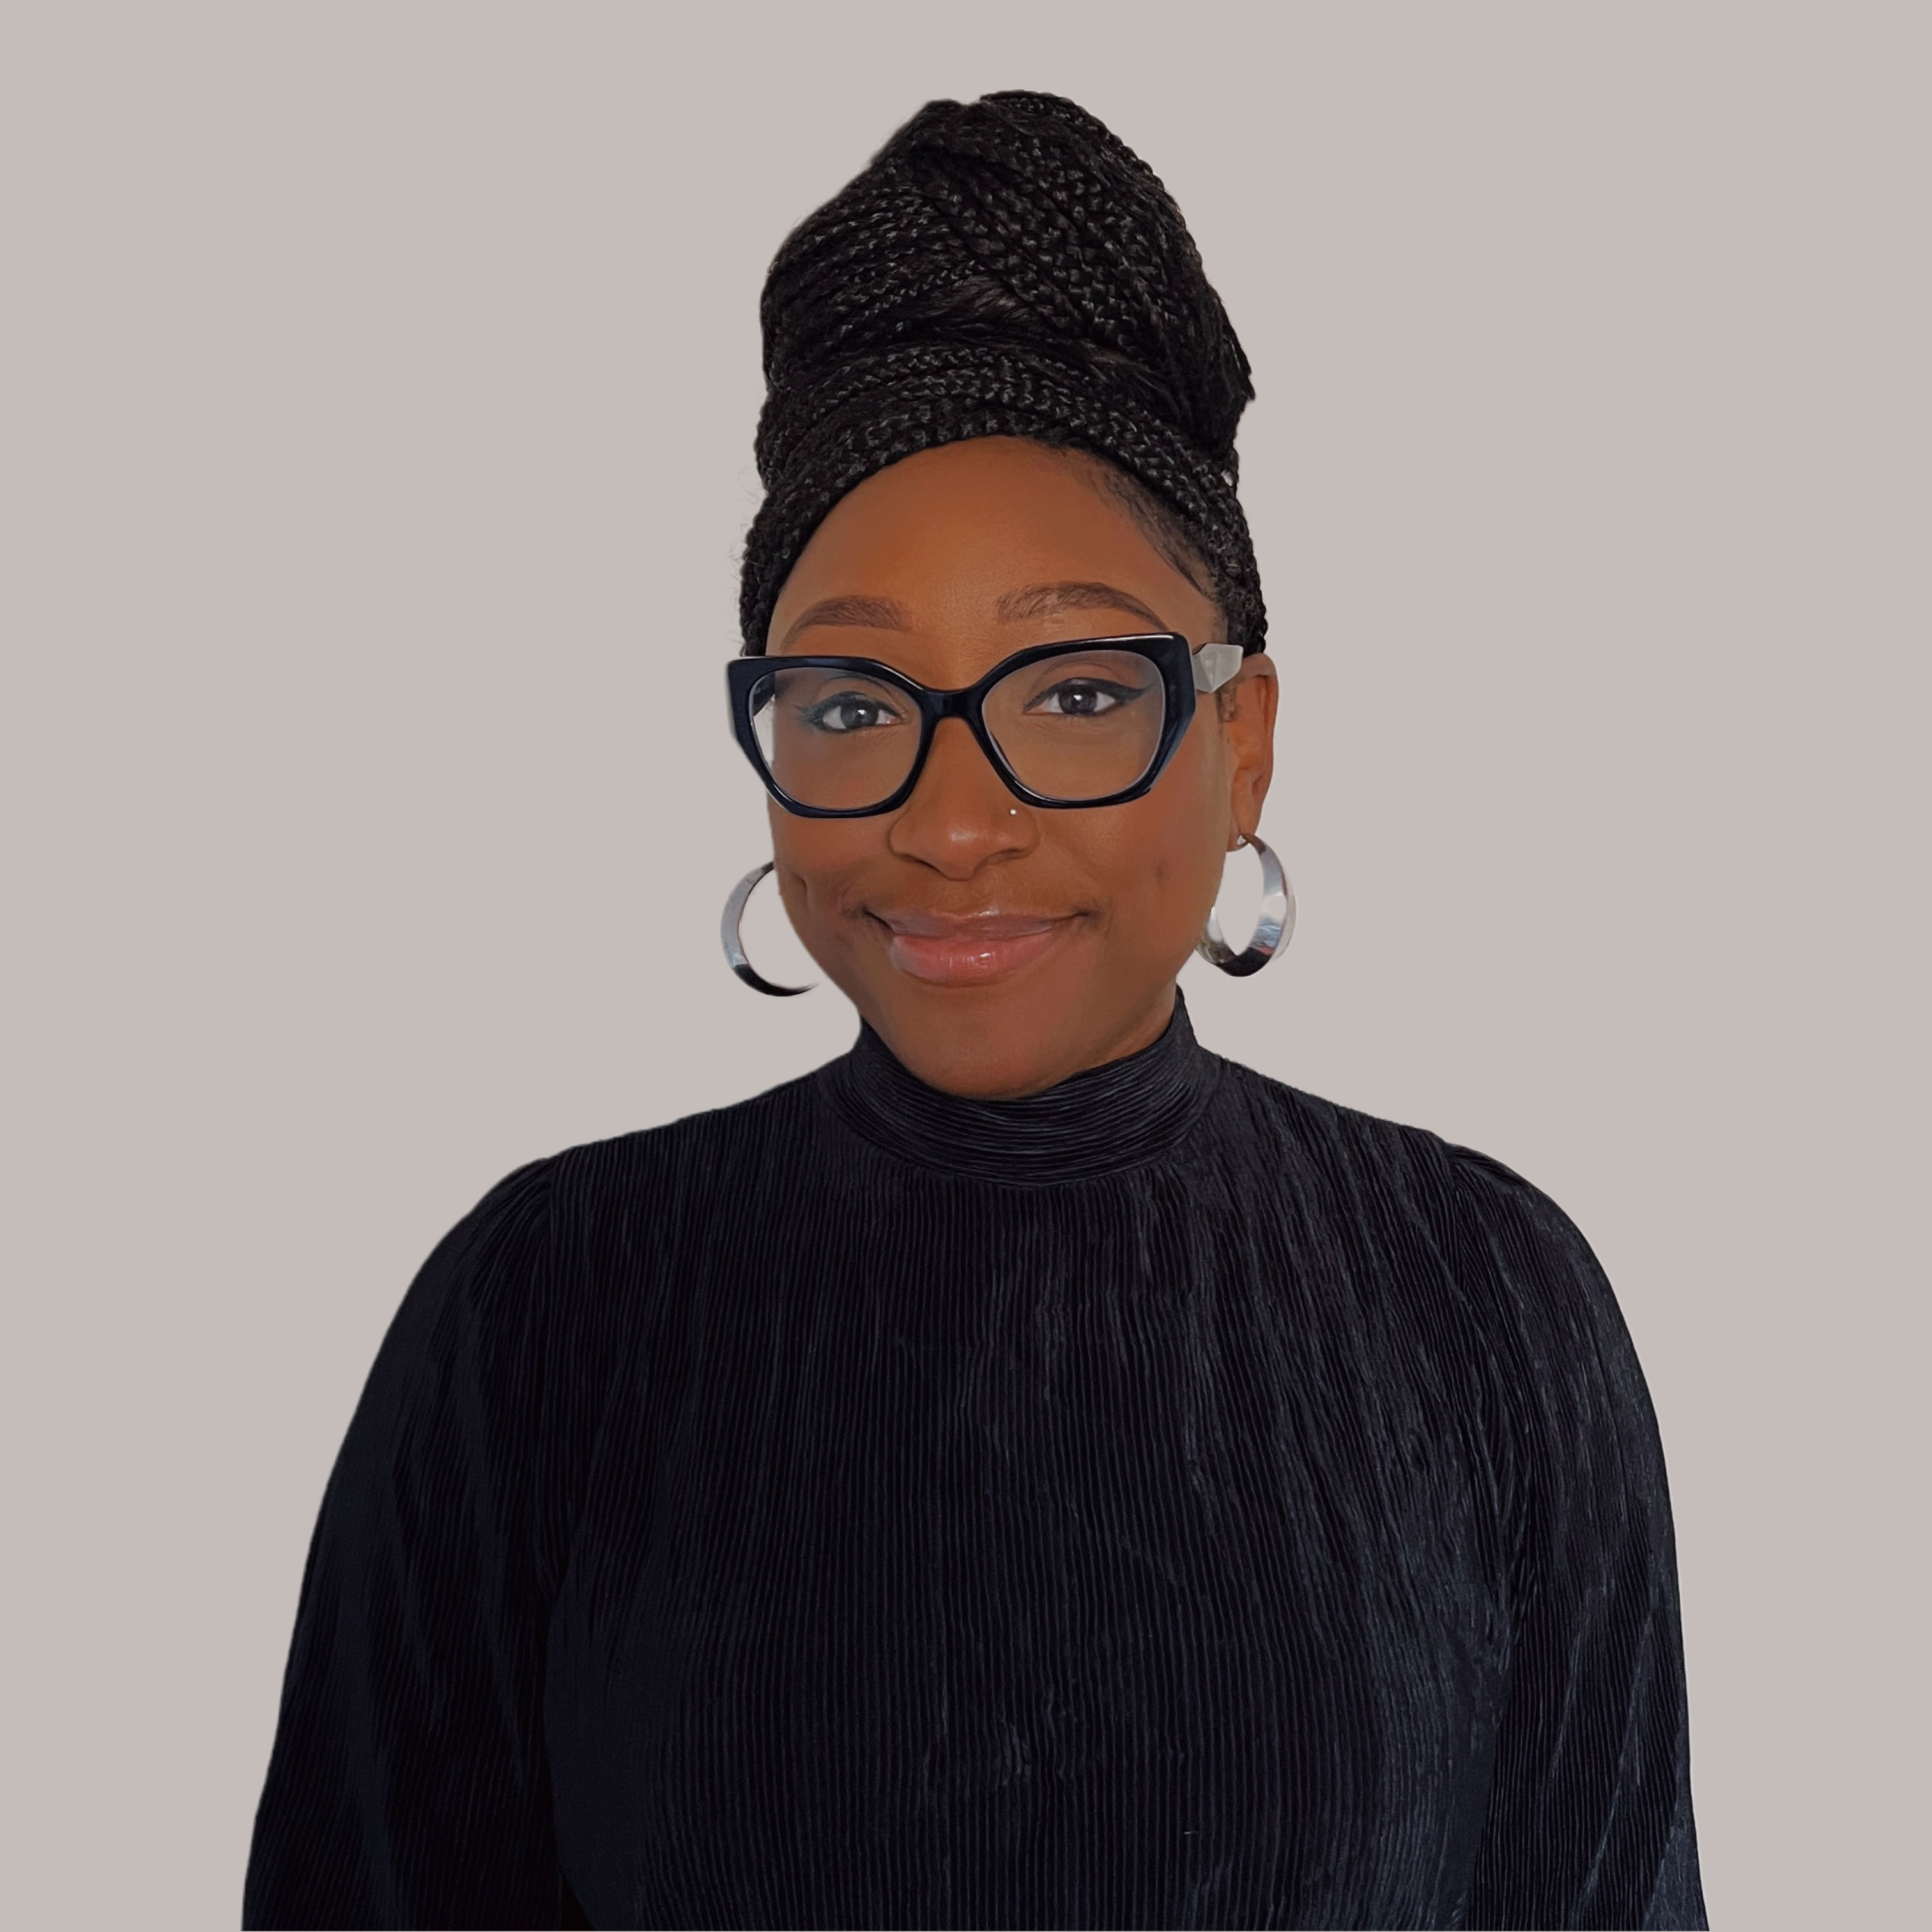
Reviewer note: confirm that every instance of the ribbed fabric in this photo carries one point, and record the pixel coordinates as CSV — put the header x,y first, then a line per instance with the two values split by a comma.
x,y
1107,1120
1172,1500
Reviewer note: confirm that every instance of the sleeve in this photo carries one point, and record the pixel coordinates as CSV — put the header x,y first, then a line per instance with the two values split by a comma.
x,y
409,1785
1589,1821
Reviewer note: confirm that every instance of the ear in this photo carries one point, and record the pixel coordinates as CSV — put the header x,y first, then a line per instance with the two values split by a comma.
x,y
1247,720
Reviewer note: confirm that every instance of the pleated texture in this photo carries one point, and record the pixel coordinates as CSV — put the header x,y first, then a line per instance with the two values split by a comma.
x,y
1174,1501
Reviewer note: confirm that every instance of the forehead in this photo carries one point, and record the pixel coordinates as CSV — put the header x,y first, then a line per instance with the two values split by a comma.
x,y
949,559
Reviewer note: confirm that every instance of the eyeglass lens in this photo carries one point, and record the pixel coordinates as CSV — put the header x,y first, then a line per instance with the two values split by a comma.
x,y
1084,726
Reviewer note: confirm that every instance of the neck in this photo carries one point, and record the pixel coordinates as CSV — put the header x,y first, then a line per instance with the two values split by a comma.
x,y
1127,1111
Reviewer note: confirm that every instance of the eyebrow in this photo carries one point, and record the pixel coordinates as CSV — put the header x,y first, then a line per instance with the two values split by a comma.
x,y
1047,600
1035,600
868,614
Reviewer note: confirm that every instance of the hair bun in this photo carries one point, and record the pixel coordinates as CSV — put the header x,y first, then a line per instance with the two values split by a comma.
x,y
1007,266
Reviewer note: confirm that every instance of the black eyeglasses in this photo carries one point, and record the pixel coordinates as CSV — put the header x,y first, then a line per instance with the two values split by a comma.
x,y
1093,722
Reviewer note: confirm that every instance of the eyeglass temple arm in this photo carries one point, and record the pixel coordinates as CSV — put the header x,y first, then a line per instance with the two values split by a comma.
x,y
1214,665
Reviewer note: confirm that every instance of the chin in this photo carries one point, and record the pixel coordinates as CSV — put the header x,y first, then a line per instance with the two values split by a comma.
x,y
991,1043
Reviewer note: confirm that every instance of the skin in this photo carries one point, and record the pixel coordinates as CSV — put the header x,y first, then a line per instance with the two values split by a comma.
x,y
996,947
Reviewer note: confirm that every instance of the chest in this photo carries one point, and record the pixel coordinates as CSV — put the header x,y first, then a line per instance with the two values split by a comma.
x,y
1095,1557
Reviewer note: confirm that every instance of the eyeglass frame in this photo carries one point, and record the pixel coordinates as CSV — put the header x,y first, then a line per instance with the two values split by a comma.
x,y
1186,672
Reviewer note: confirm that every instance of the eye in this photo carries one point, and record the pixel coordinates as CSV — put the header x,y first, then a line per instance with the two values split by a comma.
x,y
848,711
1083,697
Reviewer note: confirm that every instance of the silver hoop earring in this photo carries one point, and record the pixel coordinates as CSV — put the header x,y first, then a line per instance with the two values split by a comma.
x,y
1273,930
734,946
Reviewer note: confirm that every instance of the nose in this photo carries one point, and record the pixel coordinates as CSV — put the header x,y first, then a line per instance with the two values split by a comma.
x,y
961,816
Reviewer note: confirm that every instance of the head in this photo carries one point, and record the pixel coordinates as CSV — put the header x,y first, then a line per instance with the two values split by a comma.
x,y
1001,415
996,945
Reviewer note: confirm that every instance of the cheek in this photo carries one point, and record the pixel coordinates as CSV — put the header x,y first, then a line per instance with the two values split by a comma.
x,y
817,860
1162,859
808,855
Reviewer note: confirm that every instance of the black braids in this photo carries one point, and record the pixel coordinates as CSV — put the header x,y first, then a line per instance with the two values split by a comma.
x,y
909,370
855,440
1008,267
930,369
857,276
925,406
1141,234
990,216
1043,250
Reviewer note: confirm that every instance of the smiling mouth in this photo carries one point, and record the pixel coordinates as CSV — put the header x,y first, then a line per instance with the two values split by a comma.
x,y
970,951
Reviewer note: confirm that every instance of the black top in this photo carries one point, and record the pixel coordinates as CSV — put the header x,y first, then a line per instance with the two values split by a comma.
x,y
1172,1500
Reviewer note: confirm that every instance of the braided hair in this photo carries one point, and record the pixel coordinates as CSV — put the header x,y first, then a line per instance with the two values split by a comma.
x,y
1007,267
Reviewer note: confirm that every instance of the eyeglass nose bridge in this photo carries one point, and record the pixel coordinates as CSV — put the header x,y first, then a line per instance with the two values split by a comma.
x,y
963,705
967,706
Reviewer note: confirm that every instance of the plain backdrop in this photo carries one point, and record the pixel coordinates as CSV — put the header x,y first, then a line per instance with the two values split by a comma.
x,y
376,391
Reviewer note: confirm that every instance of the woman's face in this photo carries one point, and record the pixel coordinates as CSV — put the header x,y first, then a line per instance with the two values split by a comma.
x,y
997,947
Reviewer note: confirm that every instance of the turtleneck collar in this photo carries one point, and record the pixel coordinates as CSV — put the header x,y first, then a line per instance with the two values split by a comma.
x,y
1108,1118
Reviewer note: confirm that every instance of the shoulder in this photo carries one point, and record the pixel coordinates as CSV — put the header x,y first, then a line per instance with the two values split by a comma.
x,y
586,1225
486,1264
549,1277
1460,1228
1360,1156
635,1186
1371,1147
1514,1255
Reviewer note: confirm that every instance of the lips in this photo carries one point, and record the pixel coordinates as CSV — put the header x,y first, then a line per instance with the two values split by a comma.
x,y
970,950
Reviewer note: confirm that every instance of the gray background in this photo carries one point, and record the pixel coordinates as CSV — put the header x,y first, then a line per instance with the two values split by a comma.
x,y
375,414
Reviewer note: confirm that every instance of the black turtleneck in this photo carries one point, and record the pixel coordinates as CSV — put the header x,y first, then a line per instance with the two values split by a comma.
x,y
1172,1500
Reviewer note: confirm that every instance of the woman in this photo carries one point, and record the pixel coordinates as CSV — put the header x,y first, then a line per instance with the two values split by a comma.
x,y
1031,1472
